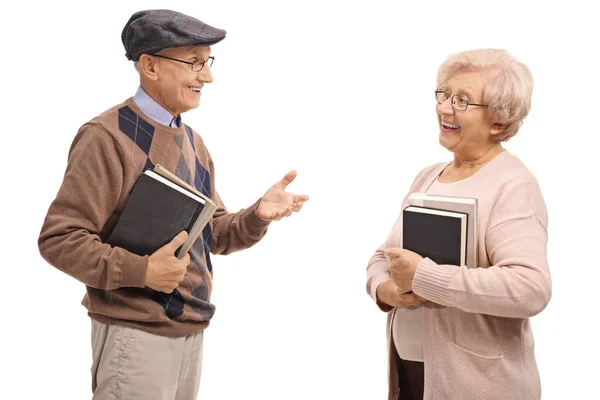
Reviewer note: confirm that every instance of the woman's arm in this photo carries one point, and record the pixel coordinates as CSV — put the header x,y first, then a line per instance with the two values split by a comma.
x,y
518,283
389,295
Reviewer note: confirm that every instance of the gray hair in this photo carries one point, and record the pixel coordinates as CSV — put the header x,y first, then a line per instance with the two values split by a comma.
x,y
509,85
136,64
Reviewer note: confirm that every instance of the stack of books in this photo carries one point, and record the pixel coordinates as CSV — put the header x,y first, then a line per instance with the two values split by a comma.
x,y
160,206
441,228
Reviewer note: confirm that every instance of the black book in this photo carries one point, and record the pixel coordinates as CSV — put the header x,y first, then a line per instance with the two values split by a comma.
x,y
438,234
465,205
158,209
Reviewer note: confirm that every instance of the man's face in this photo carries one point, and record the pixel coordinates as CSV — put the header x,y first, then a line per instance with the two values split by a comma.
x,y
179,88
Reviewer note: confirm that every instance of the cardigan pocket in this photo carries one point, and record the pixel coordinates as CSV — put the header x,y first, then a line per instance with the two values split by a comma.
x,y
476,354
479,376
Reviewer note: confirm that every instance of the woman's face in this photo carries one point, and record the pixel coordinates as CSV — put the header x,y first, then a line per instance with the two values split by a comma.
x,y
466,133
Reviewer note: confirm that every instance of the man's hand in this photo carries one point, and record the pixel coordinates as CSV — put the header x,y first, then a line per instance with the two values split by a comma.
x,y
277,203
165,271
389,293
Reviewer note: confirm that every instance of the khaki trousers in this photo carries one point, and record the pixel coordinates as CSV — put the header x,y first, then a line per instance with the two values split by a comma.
x,y
130,364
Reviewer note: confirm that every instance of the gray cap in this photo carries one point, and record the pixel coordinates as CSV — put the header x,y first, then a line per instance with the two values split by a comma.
x,y
150,31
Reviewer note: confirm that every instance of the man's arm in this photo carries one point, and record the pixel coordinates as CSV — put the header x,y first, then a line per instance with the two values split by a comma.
x,y
90,191
236,231
243,229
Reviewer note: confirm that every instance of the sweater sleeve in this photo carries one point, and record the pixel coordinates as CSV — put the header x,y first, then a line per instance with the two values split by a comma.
x,y
236,231
378,268
378,271
517,284
70,235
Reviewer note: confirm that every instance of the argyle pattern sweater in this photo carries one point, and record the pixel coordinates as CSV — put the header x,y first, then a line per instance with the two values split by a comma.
x,y
107,156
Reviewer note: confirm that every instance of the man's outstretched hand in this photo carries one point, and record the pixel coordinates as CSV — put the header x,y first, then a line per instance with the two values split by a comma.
x,y
277,203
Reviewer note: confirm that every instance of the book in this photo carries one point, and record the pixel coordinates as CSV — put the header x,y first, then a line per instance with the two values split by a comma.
x,y
165,173
160,206
207,212
438,234
466,205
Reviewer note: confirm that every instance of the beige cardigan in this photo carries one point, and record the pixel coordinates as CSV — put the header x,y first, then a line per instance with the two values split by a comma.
x,y
477,338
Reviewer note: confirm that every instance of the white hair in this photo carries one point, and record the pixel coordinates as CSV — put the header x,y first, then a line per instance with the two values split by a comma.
x,y
136,64
508,89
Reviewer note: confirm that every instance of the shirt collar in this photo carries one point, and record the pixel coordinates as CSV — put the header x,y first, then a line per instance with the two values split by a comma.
x,y
154,110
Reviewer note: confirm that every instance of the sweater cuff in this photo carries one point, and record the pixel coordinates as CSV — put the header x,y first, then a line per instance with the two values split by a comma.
x,y
134,269
372,285
254,224
432,281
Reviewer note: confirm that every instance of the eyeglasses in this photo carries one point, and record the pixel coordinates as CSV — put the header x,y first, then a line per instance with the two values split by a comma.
x,y
459,103
196,65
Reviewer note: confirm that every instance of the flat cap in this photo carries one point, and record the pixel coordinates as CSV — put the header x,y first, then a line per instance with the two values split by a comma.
x,y
150,31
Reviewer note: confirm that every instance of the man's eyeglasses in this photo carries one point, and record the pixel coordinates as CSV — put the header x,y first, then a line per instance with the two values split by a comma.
x,y
459,103
196,65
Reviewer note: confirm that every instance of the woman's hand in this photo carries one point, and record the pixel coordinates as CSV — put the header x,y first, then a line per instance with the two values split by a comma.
x,y
403,265
389,293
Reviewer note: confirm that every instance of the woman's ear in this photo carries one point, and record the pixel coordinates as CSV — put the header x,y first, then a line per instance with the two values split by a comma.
x,y
496,129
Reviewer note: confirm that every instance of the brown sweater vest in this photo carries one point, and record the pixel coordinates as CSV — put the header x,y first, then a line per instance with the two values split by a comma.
x,y
106,158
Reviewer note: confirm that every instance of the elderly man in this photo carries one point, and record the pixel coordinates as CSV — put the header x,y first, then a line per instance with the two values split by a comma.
x,y
149,311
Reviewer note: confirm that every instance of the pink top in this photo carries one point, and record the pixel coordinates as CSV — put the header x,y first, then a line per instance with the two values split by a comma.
x,y
476,336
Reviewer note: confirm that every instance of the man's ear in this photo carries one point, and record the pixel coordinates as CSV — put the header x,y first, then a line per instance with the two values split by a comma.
x,y
148,67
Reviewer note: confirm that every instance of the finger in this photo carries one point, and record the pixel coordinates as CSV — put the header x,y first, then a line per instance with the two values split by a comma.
x,y
406,303
420,301
300,198
395,263
287,179
398,266
403,285
409,253
284,212
393,252
178,240
410,299
268,217
296,207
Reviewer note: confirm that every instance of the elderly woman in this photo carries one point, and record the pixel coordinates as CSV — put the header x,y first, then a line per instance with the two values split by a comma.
x,y
456,332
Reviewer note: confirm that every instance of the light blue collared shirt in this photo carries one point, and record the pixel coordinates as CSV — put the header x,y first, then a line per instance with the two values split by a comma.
x,y
154,110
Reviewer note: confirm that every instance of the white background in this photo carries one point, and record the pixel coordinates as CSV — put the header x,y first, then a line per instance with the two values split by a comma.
x,y
341,91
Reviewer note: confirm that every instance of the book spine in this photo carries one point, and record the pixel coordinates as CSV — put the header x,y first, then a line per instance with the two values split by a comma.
x,y
205,215
194,218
